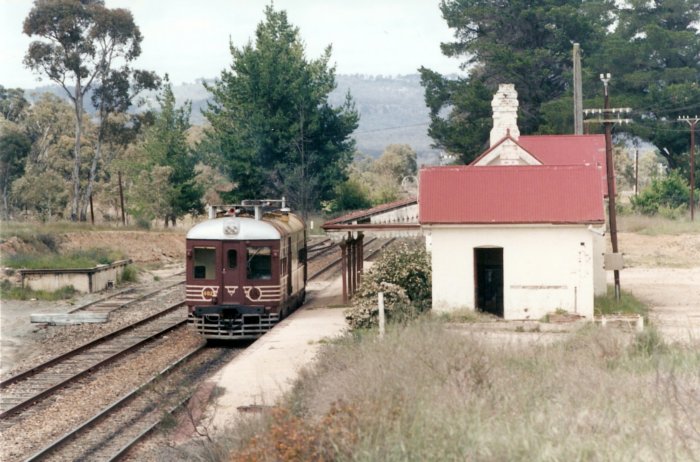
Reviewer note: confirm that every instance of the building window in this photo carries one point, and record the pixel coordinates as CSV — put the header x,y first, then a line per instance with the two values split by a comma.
x,y
259,264
204,263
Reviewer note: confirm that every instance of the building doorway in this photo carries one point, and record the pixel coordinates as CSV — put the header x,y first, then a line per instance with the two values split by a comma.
x,y
488,279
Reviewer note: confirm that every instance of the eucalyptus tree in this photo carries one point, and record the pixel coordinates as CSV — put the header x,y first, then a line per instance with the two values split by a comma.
x,y
79,42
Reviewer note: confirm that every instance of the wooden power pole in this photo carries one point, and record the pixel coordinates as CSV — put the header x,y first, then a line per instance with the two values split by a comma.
x,y
608,121
692,121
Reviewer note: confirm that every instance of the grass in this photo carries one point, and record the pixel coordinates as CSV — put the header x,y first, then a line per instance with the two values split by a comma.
x,y
28,231
72,260
425,392
657,225
628,304
130,274
10,292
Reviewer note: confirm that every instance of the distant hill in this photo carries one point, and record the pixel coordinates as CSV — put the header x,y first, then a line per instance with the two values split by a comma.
x,y
392,110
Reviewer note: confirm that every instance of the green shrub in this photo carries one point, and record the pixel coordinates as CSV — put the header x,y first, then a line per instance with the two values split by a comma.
x,y
670,193
407,266
403,274
365,311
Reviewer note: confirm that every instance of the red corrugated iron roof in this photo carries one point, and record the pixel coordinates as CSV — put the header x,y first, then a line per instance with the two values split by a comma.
x,y
568,150
510,195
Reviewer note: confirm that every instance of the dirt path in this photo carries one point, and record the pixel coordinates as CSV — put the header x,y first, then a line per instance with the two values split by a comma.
x,y
674,298
663,272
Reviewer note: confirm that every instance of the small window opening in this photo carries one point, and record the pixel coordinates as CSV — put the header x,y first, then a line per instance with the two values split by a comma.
x,y
232,259
259,264
204,262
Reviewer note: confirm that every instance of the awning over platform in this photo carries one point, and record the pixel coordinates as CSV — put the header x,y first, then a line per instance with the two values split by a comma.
x,y
394,219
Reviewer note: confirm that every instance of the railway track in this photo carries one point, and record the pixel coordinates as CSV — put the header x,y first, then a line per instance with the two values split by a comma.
x,y
27,388
111,432
126,297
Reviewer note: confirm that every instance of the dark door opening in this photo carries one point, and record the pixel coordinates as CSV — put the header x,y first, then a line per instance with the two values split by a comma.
x,y
488,276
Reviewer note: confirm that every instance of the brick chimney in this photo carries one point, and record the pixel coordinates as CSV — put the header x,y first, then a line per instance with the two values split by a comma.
x,y
505,113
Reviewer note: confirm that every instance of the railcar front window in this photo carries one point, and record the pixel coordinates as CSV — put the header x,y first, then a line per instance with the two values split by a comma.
x,y
204,263
259,263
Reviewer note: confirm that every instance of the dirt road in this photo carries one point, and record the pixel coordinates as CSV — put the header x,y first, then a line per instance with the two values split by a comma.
x,y
665,273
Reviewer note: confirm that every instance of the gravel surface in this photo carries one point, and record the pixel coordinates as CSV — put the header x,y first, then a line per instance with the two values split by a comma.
x,y
24,344
123,425
27,432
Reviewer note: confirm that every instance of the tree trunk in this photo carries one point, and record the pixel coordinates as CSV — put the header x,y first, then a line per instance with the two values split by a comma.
x,y
91,178
6,212
75,176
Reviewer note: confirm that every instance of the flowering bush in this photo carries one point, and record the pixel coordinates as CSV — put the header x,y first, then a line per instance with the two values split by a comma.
x,y
403,274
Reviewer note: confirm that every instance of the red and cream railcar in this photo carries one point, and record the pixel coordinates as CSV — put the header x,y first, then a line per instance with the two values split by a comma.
x,y
246,270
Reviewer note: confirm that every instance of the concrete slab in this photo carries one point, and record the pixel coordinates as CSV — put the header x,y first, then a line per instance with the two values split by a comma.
x,y
64,319
267,369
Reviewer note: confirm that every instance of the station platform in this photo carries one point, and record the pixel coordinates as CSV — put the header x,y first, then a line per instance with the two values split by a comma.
x,y
262,373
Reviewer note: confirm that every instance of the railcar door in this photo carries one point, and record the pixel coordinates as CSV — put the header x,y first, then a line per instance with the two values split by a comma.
x,y
231,279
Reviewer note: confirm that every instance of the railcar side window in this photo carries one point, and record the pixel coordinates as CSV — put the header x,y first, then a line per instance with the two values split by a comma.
x,y
259,263
232,258
204,263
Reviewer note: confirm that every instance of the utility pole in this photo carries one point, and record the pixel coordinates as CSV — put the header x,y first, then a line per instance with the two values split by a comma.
x,y
608,122
636,172
692,121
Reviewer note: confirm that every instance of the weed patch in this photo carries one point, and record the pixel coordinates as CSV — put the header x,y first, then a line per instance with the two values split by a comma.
x,y
130,274
628,304
73,260
11,292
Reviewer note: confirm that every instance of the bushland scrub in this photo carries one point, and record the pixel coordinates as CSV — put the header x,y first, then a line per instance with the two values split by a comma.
x,y
428,392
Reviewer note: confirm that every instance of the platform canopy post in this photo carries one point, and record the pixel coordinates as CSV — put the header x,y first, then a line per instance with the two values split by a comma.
x,y
343,270
361,257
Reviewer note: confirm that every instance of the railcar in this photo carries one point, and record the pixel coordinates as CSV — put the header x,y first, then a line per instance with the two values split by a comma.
x,y
246,269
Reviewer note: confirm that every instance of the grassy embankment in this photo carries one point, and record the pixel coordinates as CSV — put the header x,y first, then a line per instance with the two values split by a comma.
x,y
429,392
45,253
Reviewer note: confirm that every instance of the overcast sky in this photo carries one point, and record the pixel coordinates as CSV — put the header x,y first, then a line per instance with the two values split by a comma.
x,y
189,39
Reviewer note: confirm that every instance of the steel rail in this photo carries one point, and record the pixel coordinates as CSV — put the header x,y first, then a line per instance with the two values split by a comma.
x,y
137,299
26,402
62,357
97,418
336,261
312,247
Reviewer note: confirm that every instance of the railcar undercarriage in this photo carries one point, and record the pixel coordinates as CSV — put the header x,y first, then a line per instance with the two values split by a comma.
x,y
231,321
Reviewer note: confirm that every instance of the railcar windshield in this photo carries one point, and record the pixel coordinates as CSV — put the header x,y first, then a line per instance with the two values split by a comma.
x,y
259,263
204,266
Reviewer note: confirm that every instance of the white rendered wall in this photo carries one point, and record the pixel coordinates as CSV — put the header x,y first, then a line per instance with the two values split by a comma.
x,y
545,268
